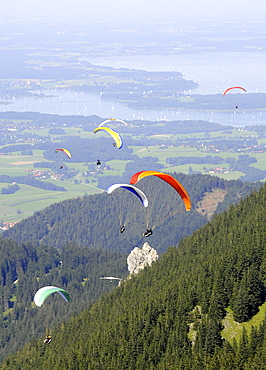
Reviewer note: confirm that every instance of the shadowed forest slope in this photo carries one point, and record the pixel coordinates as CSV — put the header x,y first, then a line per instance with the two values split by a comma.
x,y
144,323
72,243
94,221
24,269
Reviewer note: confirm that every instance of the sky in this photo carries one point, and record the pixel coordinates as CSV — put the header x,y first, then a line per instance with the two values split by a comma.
x,y
130,9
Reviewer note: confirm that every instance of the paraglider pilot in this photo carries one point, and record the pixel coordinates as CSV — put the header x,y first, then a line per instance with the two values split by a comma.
x,y
48,339
148,233
122,229
98,162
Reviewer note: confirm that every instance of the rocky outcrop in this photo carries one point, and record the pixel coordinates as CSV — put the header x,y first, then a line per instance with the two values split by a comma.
x,y
141,257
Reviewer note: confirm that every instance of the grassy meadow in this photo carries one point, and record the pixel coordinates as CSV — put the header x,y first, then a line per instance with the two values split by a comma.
x,y
233,330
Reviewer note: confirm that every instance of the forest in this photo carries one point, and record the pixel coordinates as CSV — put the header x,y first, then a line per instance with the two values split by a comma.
x,y
170,315
74,242
94,220
25,268
216,102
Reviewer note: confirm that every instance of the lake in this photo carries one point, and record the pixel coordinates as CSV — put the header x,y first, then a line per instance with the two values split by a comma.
x,y
213,71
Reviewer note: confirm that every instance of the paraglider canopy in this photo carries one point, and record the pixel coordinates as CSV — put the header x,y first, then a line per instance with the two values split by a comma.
x,y
113,120
67,152
167,178
142,197
234,87
117,138
43,293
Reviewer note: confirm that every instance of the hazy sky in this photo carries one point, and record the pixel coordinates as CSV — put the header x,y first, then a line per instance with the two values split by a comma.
x,y
144,9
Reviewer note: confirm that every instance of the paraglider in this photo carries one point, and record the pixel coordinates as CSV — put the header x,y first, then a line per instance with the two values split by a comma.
x,y
118,142
40,297
110,278
148,233
127,213
163,203
112,120
45,292
167,178
67,152
48,339
234,87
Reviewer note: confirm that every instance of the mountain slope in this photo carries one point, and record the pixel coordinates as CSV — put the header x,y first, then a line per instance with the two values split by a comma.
x,y
94,221
83,234
24,269
144,323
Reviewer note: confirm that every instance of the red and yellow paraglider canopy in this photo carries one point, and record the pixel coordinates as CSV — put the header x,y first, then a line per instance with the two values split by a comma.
x,y
167,178
67,152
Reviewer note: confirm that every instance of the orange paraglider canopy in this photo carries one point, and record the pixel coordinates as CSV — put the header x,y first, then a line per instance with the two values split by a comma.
x,y
234,87
167,178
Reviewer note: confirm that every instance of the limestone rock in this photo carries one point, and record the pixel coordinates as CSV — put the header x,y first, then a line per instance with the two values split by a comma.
x,y
141,257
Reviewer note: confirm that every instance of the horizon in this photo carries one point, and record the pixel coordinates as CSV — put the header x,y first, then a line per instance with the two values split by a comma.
x,y
103,10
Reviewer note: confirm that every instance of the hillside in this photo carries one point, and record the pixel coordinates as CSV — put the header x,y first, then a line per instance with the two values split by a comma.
x,y
24,268
72,243
144,323
94,221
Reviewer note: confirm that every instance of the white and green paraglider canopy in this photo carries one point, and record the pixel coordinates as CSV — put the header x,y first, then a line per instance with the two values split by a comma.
x,y
43,293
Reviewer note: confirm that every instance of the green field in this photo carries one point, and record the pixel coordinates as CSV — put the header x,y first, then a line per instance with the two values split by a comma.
x,y
233,330
71,131
28,199
118,167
